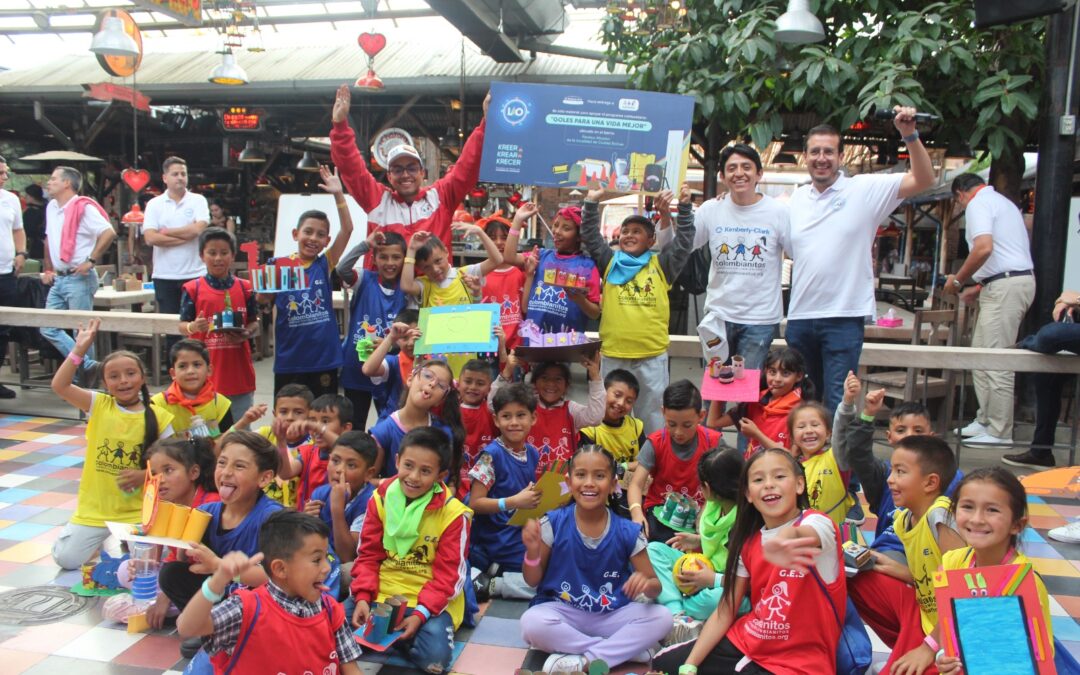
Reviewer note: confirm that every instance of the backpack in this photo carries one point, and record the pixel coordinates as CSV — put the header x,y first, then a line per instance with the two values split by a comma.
x,y
694,278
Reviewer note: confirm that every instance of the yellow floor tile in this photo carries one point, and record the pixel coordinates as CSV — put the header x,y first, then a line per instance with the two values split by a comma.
x,y
5,523
5,455
27,436
1042,510
1059,568
29,551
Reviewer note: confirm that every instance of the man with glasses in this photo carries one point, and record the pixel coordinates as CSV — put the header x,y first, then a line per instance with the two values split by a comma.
x,y
406,206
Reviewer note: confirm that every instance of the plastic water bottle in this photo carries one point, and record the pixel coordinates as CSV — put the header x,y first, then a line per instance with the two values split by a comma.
x,y
198,427
144,565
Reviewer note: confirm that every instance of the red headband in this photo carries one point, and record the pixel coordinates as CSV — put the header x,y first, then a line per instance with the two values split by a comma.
x,y
572,213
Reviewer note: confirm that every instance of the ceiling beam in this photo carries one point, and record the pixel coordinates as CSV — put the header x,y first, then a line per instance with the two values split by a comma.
x,y
473,20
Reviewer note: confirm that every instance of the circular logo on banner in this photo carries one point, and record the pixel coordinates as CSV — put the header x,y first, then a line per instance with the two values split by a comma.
x,y
121,66
515,111
386,140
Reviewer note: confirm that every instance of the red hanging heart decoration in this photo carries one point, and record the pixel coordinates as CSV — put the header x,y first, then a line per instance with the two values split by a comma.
x,y
371,43
136,179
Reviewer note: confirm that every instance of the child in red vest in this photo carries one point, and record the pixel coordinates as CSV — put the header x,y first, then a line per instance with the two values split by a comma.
x,y
330,416
764,424
671,457
474,385
288,624
504,284
555,432
789,563
202,299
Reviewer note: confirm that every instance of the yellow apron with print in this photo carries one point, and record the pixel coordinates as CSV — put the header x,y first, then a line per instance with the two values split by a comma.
x,y
456,293
634,316
211,412
825,486
407,575
923,557
280,490
114,443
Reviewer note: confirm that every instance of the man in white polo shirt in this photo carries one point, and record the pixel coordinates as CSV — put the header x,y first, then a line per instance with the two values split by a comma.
x,y
999,264
833,224
172,225
12,257
77,235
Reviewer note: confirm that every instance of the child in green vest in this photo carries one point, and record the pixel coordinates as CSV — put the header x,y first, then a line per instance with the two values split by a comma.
x,y
634,309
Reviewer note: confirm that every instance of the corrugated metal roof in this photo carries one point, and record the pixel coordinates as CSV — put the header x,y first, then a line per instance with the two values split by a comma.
x,y
400,65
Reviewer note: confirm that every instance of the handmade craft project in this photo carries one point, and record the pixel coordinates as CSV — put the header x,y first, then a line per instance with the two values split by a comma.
x,y
539,347
366,345
458,329
378,634
554,493
689,562
679,512
554,276
283,275
163,523
990,617
743,390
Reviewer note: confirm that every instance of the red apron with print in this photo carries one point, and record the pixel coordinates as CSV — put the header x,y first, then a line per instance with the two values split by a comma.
x,y
553,434
671,474
479,432
233,372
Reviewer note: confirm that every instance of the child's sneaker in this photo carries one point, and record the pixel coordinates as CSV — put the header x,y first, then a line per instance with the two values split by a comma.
x,y
683,629
565,663
484,583
1067,534
855,514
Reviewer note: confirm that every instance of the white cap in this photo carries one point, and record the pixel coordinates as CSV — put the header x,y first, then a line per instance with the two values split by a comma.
x,y
402,150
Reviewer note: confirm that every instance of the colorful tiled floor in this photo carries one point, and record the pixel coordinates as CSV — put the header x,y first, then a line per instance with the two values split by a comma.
x,y
40,459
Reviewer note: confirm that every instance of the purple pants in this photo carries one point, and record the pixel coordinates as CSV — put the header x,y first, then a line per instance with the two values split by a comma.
x,y
615,637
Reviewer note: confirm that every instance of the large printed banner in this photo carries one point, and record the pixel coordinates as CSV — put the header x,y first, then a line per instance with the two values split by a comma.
x,y
559,136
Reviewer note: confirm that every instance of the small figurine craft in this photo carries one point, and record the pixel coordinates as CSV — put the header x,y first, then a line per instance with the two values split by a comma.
x,y
284,274
679,512
378,633
567,345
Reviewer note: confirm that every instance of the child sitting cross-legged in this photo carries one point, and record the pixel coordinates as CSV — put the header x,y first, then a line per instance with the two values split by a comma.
x,y
502,482
588,565
413,544
671,457
287,624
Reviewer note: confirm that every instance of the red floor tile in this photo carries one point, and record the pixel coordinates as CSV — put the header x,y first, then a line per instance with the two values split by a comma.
x,y
478,659
51,499
153,651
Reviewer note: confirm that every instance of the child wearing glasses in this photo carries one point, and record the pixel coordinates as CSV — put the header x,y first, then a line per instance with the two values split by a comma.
x,y
428,387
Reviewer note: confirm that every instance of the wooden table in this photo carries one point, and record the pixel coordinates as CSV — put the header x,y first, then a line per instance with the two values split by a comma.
x,y
109,298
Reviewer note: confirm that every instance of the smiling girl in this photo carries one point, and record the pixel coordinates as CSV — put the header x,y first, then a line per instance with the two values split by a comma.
x,y
788,559
121,424
413,543
584,608
826,484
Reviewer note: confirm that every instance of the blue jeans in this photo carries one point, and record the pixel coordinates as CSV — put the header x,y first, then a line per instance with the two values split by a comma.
x,y
1051,338
71,292
433,646
831,348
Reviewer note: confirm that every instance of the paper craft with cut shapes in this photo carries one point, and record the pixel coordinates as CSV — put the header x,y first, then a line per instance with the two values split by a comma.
x,y
567,346
991,618
554,493
378,633
163,523
458,329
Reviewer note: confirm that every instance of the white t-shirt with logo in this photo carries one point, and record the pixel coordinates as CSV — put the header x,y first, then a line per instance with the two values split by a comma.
x,y
91,225
10,220
989,212
746,245
162,213
831,236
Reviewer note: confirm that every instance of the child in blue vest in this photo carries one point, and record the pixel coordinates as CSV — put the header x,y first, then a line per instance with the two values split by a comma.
x,y
502,482
376,302
246,464
584,610
306,342
387,371
287,624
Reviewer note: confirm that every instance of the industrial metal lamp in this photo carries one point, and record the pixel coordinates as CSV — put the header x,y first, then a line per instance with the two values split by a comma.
x,y
251,154
111,40
307,163
798,25
229,71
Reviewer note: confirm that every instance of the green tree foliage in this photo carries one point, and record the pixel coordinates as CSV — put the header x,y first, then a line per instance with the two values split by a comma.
x,y
984,83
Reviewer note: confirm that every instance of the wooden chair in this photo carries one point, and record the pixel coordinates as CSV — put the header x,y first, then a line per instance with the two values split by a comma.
x,y
930,327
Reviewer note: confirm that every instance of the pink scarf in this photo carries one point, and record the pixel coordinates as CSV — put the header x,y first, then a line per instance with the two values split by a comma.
x,y
73,212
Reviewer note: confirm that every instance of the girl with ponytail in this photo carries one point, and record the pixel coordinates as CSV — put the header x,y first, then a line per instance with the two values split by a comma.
x,y
122,424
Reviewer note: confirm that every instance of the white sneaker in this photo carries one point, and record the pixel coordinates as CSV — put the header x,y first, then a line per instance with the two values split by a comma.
x,y
1068,534
565,663
974,429
987,439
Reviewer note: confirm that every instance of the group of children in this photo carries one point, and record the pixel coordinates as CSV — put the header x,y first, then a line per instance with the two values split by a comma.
x,y
312,510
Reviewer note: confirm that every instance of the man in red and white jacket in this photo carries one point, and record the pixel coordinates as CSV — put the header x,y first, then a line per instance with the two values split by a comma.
x,y
405,207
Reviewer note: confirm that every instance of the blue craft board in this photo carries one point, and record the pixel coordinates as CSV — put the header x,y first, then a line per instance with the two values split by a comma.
x,y
562,136
378,645
993,636
429,315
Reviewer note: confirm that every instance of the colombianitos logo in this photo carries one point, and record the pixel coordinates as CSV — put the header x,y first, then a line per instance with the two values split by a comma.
x,y
515,111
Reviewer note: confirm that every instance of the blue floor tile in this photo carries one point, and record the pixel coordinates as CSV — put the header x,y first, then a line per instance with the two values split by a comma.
x,y
24,531
16,495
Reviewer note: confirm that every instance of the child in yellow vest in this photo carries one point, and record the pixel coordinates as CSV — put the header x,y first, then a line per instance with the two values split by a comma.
x,y
192,392
122,424
292,403
620,433
990,507
634,309
414,543
442,283
896,600
826,484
